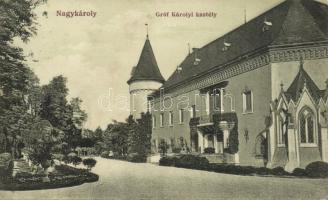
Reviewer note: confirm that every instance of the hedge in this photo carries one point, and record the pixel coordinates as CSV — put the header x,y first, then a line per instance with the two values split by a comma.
x,y
201,163
64,176
209,150
313,170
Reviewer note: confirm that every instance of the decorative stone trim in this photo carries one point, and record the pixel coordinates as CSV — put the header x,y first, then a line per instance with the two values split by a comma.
x,y
247,64
309,53
142,90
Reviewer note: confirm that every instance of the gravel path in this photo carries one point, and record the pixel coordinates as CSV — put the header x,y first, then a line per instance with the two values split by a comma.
x,y
123,180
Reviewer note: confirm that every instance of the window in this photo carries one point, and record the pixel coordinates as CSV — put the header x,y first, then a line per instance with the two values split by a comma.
x,y
161,118
281,130
171,118
207,103
193,111
217,100
154,121
307,127
260,147
248,102
181,116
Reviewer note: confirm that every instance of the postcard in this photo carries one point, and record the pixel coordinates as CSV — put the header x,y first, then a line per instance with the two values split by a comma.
x,y
163,99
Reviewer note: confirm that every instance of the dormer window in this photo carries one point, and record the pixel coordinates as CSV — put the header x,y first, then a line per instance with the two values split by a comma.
x,y
267,25
179,69
197,61
226,46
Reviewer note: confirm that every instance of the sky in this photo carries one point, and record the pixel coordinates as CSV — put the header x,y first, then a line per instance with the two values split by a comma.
x,y
96,54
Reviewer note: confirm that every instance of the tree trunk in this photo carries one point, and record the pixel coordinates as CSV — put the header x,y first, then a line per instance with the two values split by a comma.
x,y
46,178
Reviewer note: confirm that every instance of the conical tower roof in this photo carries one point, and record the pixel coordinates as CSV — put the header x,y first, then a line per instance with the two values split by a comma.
x,y
147,68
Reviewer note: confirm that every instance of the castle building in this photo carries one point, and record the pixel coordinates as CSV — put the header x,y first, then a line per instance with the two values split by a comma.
x,y
255,96
145,79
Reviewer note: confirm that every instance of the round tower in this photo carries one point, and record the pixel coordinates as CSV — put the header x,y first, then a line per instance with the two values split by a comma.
x,y
145,79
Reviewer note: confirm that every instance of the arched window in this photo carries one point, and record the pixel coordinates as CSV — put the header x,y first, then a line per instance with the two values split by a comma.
x,y
307,126
260,147
281,129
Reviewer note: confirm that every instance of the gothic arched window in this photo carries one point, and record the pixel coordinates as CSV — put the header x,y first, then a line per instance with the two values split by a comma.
x,y
260,147
281,130
307,126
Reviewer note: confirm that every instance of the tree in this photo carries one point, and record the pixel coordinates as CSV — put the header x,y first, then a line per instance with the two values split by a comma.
x,y
98,134
40,144
55,109
89,163
54,106
117,136
79,115
17,20
140,134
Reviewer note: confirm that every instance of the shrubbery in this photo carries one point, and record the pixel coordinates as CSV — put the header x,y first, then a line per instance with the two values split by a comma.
x,y
76,160
192,162
6,166
137,158
89,163
209,150
279,171
314,170
104,154
201,163
299,172
176,150
168,161
317,170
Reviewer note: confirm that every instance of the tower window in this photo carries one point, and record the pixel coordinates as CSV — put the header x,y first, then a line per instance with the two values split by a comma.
x,y
154,121
193,111
171,118
181,116
161,118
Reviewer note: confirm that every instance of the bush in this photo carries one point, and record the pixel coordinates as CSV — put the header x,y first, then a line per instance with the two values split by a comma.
x,y
76,160
279,171
6,165
163,147
104,154
68,170
192,162
176,150
137,158
63,176
299,172
263,171
209,150
89,163
168,161
317,169
232,169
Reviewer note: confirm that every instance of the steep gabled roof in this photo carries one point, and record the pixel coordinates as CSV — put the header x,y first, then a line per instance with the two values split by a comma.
x,y
292,21
147,68
296,87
